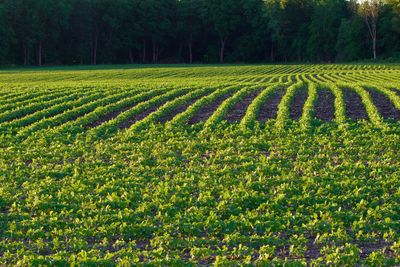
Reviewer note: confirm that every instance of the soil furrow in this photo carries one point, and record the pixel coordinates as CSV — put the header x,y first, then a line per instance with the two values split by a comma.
x,y
296,108
325,107
204,113
355,109
269,109
384,105
178,110
239,109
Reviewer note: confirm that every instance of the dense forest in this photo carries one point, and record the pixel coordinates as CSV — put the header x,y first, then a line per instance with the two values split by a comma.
x,y
55,32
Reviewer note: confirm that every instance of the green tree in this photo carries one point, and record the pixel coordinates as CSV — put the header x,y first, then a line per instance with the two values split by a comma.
x,y
350,43
370,11
324,29
225,18
190,23
6,35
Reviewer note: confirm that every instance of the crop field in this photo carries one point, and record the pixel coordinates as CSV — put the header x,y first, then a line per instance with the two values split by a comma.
x,y
207,165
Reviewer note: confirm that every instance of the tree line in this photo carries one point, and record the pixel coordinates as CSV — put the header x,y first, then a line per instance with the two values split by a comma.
x,y
56,32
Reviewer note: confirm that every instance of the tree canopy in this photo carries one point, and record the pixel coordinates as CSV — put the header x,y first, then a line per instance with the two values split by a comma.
x,y
56,32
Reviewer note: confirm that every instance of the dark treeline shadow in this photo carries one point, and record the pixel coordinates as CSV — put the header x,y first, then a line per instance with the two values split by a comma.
x,y
77,32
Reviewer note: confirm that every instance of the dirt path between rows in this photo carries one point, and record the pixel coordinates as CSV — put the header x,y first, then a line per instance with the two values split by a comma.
x,y
325,107
355,109
384,105
296,108
204,113
269,109
178,110
238,111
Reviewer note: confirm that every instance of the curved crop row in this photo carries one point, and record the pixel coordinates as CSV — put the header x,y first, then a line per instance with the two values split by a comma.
x,y
40,99
250,117
53,110
193,109
169,106
370,107
284,105
12,99
392,96
43,98
308,109
340,107
72,114
111,126
33,108
220,113
71,128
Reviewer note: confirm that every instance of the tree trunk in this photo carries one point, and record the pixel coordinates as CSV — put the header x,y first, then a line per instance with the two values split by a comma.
x,y
374,38
179,55
222,50
130,56
39,55
25,55
144,51
190,53
372,32
374,47
94,49
190,45
154,52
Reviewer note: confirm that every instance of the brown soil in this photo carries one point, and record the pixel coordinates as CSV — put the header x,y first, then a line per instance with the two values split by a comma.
x,y
140,116
204,113
296,108
325,108
109,117
355,109
269,109
384,105
239,109
113,115
178,110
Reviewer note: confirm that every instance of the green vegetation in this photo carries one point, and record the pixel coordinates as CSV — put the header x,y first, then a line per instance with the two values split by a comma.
x,y
76,32
224,165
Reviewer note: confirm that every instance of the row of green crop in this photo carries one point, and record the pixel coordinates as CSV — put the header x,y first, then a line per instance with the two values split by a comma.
x,y
172,197
95,118
34,105
170,106
34,109
74,113
252,112
49,112
224,108
39,99
112,126
78,112
184,117
249,73
284,106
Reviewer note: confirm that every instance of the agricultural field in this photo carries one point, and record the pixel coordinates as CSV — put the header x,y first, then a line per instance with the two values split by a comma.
x,y
208,165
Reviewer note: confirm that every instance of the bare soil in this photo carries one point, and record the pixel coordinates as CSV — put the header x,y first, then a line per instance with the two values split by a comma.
x,y
140,116
296,108
355,109
204,113
325,107
239,109
178,110
269,109
109,117
384,105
